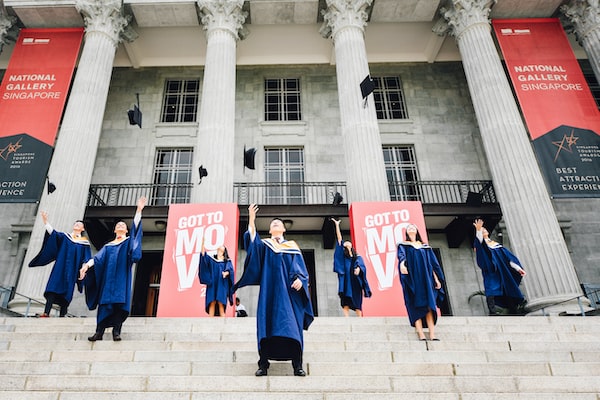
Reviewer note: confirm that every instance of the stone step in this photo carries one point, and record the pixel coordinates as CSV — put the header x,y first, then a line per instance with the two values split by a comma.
x,y
346,358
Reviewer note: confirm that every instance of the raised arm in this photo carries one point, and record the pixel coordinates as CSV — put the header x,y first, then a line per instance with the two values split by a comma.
x,y
44,215
478,224
252,210
141,203
338,233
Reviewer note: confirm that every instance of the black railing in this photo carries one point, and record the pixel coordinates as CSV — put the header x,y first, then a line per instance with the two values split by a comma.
x,y
428,192
289,193
128,194
444,192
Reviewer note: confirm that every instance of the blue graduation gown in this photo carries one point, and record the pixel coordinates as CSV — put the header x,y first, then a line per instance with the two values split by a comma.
x,y
218,288
351,287
108,283
420,295
283,313
69,254
499,278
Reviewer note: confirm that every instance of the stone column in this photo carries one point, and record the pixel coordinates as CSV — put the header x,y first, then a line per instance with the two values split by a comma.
x,y
345,21
75,151
223,22
585,16
534,231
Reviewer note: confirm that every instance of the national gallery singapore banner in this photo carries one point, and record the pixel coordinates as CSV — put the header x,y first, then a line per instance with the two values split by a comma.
x,y
559,109
32,97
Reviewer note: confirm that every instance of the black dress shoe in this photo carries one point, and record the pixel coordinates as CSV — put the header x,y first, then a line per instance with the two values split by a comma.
x,y
299,372
94,337
260,372
116,337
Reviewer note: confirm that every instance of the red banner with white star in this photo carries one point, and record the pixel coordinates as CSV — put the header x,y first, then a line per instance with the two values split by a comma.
x,y
561,114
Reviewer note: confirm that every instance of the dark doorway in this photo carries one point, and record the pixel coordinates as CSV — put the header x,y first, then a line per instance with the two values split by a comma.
x,y
309,259
147,284
445,308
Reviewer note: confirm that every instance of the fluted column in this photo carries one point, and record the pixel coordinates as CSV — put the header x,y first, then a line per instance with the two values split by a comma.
x,y
531,222
585,16
75,151
223,22
344,23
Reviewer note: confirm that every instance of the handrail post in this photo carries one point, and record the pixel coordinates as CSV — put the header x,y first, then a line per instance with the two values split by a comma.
x,y
28,307
580,306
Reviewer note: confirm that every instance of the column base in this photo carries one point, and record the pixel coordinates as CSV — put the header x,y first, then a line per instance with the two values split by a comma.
x,y
556,306
28,308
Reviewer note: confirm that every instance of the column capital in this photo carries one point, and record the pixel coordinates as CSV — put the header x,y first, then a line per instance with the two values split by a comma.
x,y
343,14
585,17
464,14
104,16
223,15
6,23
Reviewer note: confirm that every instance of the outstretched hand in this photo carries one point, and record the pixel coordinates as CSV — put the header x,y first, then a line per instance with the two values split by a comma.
x,y
478,224
141,203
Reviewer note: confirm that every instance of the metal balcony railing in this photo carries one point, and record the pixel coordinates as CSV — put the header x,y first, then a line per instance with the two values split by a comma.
x,y
289,193
444,192
128,194
428,192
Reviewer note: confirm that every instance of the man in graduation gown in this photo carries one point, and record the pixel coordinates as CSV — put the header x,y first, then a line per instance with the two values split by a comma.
x,y
502,272
108,284
68,251
284,308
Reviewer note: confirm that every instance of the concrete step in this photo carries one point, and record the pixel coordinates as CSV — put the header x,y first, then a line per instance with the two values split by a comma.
x,y
346,358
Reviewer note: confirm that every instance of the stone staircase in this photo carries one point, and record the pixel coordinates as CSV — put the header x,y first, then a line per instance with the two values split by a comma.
x,y
496,358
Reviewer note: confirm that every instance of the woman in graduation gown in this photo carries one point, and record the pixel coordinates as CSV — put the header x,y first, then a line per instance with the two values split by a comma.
x,y
217,274
352,274
501,270
420,277
68,251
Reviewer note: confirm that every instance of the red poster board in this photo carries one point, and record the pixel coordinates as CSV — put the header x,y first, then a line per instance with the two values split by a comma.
x,y
376,229
181,294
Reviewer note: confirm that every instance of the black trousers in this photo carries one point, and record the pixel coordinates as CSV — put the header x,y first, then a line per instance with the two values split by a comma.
x,y
114,320
53,298
263,361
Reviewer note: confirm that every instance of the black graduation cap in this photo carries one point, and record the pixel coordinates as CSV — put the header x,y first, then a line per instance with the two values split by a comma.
x,y
135,116
249,157
337,199
367,86
202,172
51,187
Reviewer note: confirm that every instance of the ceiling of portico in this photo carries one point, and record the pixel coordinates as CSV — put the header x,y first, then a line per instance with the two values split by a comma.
x,y
280,31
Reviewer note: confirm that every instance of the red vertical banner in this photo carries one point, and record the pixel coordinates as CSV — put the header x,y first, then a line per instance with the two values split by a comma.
x,y
561,114
181,294
32,97
376,230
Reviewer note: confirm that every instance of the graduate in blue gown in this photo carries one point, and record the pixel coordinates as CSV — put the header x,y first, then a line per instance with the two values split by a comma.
x,y
217,274
108,281
68,251
284,309
352,274
420,277
502,272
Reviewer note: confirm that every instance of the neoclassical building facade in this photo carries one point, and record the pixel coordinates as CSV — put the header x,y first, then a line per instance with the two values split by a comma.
x,y
216,77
